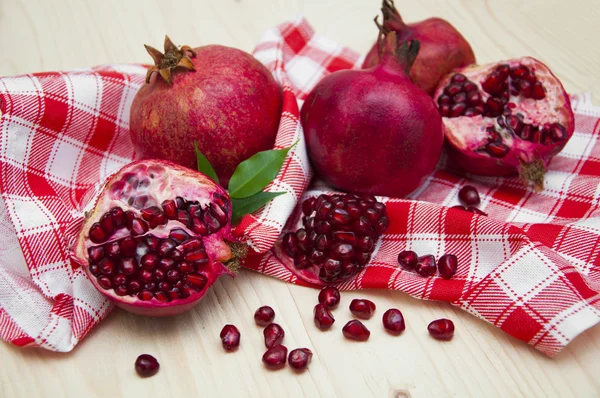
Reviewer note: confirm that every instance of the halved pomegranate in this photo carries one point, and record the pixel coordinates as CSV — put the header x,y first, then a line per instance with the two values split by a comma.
x,y
158,238
505,118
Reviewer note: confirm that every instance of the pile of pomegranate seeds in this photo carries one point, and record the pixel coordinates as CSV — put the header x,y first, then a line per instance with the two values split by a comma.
x,y
146,365
230,337
338,237
426,265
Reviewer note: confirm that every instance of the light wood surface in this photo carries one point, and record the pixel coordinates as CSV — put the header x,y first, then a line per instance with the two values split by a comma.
x,y
480,361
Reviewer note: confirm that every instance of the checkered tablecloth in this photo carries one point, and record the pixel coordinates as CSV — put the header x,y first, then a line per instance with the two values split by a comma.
x,y
530,268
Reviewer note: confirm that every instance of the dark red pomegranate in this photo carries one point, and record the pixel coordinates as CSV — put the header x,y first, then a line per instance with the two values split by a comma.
x,y
426,265
469,195
362,308
230,337
275,357
220,97
506,118
329,296
300,358
447,265
337,239
323,317
274,335
441,329
264,315
158,238
408,259
146,365
372,131
355,330
393,321
443,48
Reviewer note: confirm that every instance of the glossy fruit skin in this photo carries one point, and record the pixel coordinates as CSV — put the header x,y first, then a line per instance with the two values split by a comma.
x,y
372,131
441,329
393,321
264,315
230,337
330,297
323,317
275,357
300,358
355,330
362,308
146,365
215,106
443,48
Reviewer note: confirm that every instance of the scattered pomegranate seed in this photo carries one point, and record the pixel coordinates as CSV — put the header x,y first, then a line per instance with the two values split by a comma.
x,y
469,195
300,358
230,337
447,265
264,315
393,321
329,296
362,308
408,259
426,265
146,365
441,329
275,357
274,335
323,318
355,330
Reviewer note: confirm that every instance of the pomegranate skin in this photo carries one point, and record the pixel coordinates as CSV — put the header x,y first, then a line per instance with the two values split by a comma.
x,y
372,131
230,105
443,48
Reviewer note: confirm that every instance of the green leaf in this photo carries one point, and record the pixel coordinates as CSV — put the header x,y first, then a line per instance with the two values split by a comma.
x,y
204,165
254,174
244,206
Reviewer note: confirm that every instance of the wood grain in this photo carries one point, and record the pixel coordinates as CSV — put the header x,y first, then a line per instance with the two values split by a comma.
x,y
481,361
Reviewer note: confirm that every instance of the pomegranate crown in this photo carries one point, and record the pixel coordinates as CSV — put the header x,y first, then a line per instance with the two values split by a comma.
x,y
172,58
387,43
391,17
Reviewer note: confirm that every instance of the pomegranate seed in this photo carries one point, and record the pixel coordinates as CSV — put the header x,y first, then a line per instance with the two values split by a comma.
x,y
426,265
178,235
173,275
118,217
497,149
458,110
230,337
382,224
274,335
469,86
105,282
459,98
97,234
308,206
128,266
344,236
184,217
275,357
118,280
538,91
444,99
342,250
146,365
355,330
459,78
301,261
197,281
393,321
341,217
128,246
264,315
503,71
329,296
300,358
106,266
493,83
525,88
150,212
138,227
185,268
447,265
218,213
445,110
494,105
145,275
290,244
95,254
332,268
145,295
469,195
149,261
408,259
323,318
107,224
452,89
121,290
198,257
441,329
159,275
362,308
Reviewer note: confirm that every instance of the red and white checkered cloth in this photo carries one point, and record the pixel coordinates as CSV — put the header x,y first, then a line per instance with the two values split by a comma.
x,y
531,267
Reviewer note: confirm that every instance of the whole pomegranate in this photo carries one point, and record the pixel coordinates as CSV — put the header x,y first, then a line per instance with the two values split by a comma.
x,y
443,48
220,97
372,131
505,118
158,238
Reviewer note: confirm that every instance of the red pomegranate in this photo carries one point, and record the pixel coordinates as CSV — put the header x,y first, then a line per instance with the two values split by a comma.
x,y
505,118
220,97
443,48
158,238
372,131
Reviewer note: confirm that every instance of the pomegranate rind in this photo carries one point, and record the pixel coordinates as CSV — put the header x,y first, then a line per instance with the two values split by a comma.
x,y
464,134
171,180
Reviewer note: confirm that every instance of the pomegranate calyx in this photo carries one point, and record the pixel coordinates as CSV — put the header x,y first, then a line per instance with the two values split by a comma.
x,y
239,251
405,54
533,173
391,17
172,58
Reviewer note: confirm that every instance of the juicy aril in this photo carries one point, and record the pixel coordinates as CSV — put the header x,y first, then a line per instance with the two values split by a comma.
x,y
158,238
220,97
443,48
505,118
372,131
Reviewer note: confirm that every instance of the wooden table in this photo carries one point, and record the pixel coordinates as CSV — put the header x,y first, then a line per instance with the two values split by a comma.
x,y
481,360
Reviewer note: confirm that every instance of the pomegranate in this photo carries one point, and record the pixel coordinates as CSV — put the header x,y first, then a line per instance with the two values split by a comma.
x,y
146,365
273,334
362,308
441,329
469,195
230,337
372,131
158,238
300,358
329,296
393,321
323,317
221,98
443,48
426,265
355,330
264,315
408,259
275,357
506,118
447,265
338,237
